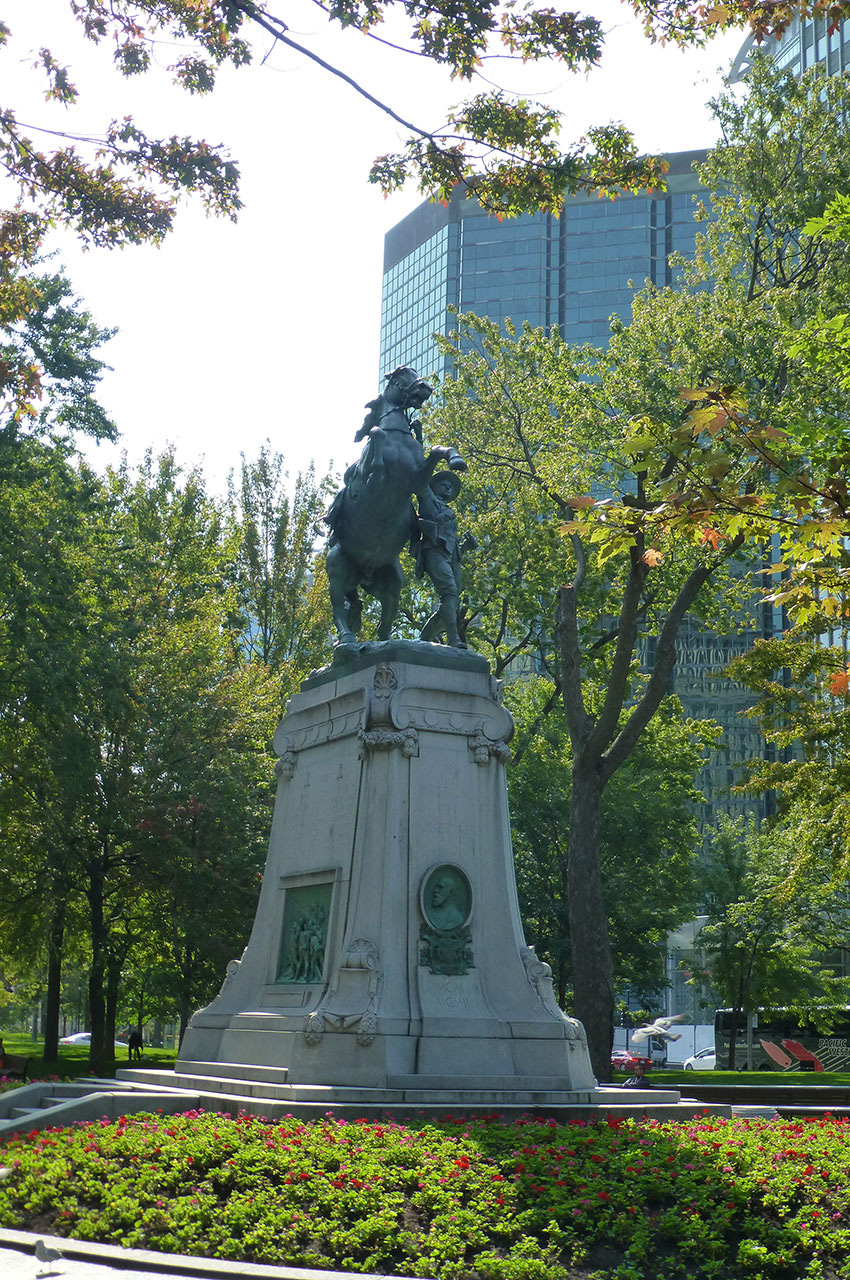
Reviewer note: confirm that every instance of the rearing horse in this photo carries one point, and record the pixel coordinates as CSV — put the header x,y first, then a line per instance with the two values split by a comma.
x,y
372,518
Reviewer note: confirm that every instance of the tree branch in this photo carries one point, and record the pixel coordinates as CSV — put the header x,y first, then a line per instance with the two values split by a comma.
x,y
658,684
606,722
578,721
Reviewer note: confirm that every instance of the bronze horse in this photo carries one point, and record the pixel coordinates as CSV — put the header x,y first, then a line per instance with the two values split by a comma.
x,y
372,518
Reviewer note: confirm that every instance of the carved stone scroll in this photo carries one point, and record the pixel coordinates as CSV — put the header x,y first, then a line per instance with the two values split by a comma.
x,y
285,766
336,718
439,712
359,980
539,974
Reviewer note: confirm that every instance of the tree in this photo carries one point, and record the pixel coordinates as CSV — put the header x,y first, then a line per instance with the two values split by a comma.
x,y
769,925
525,411
754,445
503,147
134,772
173,736
648,837
284,611
802,706
630,454
49,371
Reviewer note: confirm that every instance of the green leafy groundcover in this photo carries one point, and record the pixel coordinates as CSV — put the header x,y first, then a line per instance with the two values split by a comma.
x,y
460,1200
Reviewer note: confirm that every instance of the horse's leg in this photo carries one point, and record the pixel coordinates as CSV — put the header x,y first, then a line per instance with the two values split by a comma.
x,y
386,586
342,584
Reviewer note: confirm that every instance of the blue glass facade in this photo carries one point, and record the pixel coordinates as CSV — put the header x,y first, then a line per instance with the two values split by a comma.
x,y
805,42
575,271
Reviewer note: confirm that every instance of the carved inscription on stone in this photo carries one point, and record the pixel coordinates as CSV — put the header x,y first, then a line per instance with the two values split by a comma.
x,y
450,995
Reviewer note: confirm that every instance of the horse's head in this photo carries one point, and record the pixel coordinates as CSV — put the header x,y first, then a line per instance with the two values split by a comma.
x,y
405,389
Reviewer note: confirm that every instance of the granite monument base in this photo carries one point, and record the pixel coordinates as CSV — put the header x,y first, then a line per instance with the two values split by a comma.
x,y
387,964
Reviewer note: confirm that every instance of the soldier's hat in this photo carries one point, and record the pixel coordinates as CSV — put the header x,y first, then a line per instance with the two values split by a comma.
x,y
451,476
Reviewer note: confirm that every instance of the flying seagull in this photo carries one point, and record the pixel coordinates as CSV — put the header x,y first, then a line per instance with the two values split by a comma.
x,y
46,1256
660,1027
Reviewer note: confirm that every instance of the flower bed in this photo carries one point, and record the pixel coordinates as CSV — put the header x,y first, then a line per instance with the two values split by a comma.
x,y
13,1082
711,1199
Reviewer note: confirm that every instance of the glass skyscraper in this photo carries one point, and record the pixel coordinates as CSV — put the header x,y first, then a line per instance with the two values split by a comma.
x,y
574,271
805,42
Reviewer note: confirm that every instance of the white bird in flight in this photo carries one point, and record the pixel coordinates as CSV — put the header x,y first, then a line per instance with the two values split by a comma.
x,y
46,1256
660,1027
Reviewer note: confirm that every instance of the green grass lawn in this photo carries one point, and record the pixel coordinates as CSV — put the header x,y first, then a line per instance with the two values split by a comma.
x,y
74,1061
708,1199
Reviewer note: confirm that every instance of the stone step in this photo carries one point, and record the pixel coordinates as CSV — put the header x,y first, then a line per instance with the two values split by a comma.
x,y
234,1070
273,1091
98,1101
483,1083
238,1070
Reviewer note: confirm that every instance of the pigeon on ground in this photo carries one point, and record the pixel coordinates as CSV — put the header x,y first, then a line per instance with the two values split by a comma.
x,y
660,1027
46,1256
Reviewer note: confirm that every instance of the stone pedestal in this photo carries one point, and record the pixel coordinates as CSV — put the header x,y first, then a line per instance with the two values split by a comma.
x,y
387,958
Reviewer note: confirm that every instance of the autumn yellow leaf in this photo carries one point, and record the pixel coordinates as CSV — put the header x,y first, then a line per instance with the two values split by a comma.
x,y
652,557
690,393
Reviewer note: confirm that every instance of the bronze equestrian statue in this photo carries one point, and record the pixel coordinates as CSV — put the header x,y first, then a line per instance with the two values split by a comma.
x,y
373,518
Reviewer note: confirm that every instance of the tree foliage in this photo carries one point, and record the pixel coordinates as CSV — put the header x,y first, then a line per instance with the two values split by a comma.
x,y
49,369
122,185
139,799
648,837
629,452
803,708
283,610
769,925
746,437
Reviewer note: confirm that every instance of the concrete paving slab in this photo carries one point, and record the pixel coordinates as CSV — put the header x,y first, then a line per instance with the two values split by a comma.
x,y
83,1261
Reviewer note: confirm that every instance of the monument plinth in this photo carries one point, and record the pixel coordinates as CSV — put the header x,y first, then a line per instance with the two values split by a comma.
x,y
387,953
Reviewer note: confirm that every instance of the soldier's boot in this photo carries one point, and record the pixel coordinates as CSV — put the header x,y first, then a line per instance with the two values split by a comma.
x,y
448,615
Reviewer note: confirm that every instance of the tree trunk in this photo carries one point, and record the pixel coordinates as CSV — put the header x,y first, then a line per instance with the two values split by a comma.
x,y
113,976
186,991
97,1000
55,939
592,968
731,1057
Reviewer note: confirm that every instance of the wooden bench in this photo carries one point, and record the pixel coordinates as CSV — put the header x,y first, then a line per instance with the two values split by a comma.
x,y
14,1066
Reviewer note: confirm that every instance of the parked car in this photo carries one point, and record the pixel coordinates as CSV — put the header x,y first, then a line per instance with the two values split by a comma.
x,y
625,1060
703,1061
82,1038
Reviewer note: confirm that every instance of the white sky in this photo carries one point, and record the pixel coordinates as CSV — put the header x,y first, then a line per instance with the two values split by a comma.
x,y
230,334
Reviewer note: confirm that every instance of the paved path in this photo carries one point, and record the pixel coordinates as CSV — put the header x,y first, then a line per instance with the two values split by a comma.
x,y
83,1261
